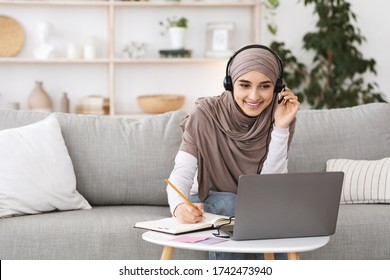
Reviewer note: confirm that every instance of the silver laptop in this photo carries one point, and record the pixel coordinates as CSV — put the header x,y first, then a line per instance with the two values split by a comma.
x,y
286,205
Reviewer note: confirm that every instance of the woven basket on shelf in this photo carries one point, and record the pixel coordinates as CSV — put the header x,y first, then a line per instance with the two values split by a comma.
x,y
11,37
161,103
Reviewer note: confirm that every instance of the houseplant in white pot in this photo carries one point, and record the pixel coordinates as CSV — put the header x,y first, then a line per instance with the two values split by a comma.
x,y
176,27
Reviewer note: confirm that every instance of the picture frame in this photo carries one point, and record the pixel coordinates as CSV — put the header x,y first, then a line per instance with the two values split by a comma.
x,y
219,39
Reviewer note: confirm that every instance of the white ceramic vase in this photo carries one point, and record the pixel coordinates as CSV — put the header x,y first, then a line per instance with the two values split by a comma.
x,y
177,36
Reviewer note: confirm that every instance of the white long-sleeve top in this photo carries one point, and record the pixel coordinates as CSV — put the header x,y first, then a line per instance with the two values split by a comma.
x,y
184,173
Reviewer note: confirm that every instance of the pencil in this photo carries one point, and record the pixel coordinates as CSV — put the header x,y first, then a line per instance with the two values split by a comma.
x,y
180,193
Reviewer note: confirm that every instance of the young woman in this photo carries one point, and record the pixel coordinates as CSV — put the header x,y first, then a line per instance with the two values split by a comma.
x,y
245,130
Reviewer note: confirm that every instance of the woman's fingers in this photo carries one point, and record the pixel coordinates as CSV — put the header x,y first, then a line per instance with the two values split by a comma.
x,y
187,214
289,96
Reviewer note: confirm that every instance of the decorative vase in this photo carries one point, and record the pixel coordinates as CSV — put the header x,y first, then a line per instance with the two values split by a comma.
x,y
64,103
177,36
89,48
39,100
74,51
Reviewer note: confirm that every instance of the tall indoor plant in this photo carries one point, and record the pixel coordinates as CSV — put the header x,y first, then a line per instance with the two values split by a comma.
x,y
337,78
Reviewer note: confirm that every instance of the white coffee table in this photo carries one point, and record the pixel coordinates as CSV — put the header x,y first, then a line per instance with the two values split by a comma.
x,y
291,246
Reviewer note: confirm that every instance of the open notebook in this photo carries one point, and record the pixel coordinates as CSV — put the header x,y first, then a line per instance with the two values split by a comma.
x,y
173,226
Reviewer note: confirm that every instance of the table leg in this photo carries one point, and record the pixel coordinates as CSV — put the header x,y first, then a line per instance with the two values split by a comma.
x,y
269,256
167,253
293,256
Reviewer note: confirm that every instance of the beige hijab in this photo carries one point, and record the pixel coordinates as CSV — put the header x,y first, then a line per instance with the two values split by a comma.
x,y
226,142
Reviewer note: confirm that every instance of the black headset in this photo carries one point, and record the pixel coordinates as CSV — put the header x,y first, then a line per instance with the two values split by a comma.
x,y
228,83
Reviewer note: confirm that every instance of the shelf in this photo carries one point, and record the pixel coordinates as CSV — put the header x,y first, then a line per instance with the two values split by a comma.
x,y
116,61
186,4
55,3
146,4
118,16
53,61
167,60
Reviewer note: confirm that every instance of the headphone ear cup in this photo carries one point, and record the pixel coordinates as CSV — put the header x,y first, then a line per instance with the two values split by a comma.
x,y
228,84
279,86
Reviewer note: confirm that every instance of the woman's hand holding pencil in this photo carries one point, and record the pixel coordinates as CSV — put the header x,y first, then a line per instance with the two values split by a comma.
x,y
188,212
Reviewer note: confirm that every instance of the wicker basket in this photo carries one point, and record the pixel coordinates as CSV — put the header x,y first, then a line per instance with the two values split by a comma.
x,y
11,37
161,103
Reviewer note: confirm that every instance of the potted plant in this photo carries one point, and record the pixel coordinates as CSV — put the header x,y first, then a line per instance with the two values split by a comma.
x,y
176,27
338,77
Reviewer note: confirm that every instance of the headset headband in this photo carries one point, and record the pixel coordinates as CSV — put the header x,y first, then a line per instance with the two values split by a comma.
x,y
228,83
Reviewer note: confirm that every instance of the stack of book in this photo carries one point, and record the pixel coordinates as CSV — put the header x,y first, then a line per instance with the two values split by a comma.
x,y
175,53
94,105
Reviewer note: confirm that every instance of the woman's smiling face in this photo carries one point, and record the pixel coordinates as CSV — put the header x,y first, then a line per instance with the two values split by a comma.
x,y
253,92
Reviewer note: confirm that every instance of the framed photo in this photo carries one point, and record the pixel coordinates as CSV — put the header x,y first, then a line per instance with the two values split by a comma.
x,y
219,39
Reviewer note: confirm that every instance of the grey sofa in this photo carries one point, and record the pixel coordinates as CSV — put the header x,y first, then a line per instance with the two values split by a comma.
x,y
120,166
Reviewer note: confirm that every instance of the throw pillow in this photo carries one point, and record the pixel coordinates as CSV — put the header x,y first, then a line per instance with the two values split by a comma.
x,y
365,181
36,171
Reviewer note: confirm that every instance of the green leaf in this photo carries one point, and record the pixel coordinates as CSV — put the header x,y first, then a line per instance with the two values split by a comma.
x,y
336,78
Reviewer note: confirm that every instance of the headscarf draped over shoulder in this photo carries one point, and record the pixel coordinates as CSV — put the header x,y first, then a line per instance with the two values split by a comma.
x,y
226,142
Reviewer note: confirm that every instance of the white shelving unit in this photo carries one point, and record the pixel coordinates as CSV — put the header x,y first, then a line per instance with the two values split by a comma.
x,y
118,16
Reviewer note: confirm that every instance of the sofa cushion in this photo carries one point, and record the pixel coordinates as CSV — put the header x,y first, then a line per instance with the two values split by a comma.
x,y
362,233
359,133
104,232
117,161
36,172
365,181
